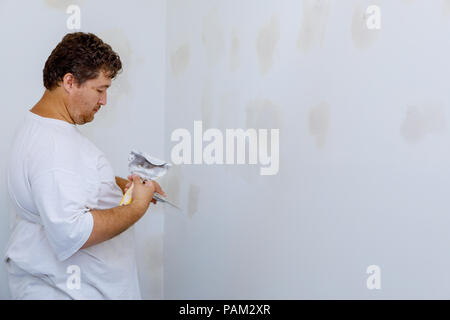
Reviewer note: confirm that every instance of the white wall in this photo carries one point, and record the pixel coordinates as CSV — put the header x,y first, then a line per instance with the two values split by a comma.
x,y
133,116
363,119
364,149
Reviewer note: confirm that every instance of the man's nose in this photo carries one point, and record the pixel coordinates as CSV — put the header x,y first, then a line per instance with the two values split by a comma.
x,y
103,100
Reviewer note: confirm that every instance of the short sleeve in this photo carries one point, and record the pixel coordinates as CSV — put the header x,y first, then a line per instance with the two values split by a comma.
x,y
60,197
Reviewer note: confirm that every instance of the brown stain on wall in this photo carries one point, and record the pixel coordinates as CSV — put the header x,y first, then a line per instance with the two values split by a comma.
x,y
234,53
207,105
62,4
314,24
228,111
154,245
213,38
319,123
446,8
121,86
153,259
267,42
193,198
422,120
263,114
119,42
172,181
259,114
179,60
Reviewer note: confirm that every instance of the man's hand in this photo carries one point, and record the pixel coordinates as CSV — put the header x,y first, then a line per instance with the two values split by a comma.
x,y
156,187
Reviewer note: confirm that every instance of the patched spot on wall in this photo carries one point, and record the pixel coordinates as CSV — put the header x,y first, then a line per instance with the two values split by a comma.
x,y
119,42
172,184
121,86
234,54
154,246
152,259
446,8
179,60
259,114
362,36
193,198
266,43
207,105
263,114
421,121
314,24
213,38
228,111
319,123
62,4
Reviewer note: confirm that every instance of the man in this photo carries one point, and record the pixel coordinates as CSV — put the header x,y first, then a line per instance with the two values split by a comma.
x,y
71,240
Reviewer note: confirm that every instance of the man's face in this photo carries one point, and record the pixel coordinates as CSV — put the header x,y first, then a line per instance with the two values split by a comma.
x,y
85,100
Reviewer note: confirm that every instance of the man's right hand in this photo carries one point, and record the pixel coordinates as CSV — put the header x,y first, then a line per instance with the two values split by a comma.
x,y
143,191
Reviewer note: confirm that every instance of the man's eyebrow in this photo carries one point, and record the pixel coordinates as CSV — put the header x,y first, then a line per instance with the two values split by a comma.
x,y
104,86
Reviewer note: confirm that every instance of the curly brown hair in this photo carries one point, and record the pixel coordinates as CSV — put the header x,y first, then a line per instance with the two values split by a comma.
x,y
82,54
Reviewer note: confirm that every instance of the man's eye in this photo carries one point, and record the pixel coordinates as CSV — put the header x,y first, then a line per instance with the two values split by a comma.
x,y
101,91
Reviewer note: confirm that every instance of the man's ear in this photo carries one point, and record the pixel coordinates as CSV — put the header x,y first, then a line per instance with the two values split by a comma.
x,y
68,82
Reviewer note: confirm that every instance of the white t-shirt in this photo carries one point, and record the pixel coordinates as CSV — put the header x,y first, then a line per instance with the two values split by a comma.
x,y
55,176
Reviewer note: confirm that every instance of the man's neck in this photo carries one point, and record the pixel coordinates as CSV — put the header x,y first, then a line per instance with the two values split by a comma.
x,y
52,105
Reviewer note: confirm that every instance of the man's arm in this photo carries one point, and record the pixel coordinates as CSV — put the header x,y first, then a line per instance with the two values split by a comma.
x,y
109,223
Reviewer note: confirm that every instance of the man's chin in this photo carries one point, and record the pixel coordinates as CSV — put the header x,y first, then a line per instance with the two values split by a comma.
x,y
86,120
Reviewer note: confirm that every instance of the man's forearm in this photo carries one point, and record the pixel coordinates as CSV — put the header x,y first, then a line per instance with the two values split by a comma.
x,y
111,222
